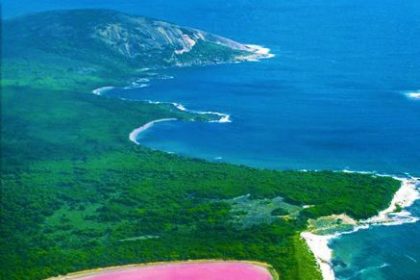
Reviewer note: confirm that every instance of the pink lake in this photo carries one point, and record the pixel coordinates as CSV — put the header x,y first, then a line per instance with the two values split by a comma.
x,y
211,270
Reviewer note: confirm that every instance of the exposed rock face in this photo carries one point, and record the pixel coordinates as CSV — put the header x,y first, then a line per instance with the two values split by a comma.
x,y
133,36
139,41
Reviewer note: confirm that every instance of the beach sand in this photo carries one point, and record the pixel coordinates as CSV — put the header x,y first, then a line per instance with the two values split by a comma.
x,y
136,132
406,195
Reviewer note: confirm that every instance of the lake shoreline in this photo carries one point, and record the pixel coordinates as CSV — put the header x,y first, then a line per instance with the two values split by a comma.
x,y
92,272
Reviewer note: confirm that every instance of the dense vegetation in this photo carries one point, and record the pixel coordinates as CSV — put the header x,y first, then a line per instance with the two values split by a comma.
x,y
77,194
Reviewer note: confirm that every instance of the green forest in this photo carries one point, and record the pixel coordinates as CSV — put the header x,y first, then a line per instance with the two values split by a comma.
x,y
77,194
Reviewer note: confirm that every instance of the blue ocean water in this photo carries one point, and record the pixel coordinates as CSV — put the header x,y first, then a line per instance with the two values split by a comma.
x,y
332,98
382,252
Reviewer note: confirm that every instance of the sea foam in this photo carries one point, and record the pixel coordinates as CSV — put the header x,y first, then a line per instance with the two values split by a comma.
x,y
256,53
414,95
223,117
406,196
318,244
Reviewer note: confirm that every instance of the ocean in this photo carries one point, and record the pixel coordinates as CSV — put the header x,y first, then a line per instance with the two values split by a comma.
x,y
335,96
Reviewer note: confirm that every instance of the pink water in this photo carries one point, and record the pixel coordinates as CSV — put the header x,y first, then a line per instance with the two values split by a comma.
x,y
187,271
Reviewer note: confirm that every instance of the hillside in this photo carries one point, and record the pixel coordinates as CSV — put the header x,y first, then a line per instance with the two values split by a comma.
x,y
47,46
106,35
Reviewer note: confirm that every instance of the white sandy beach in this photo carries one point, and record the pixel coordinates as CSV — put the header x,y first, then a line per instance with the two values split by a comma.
x,y
101,90
135,133
406,195
403,198
318,244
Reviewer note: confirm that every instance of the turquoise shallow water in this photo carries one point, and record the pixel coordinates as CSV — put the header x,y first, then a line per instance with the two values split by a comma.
x,y
332,98
385,252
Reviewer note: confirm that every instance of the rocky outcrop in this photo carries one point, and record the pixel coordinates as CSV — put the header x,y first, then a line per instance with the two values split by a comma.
x,y
138,41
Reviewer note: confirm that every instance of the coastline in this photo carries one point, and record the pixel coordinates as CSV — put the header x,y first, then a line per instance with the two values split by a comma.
x,y
123,169
224,118
136,132
101,90
394,215
318,244
257,53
